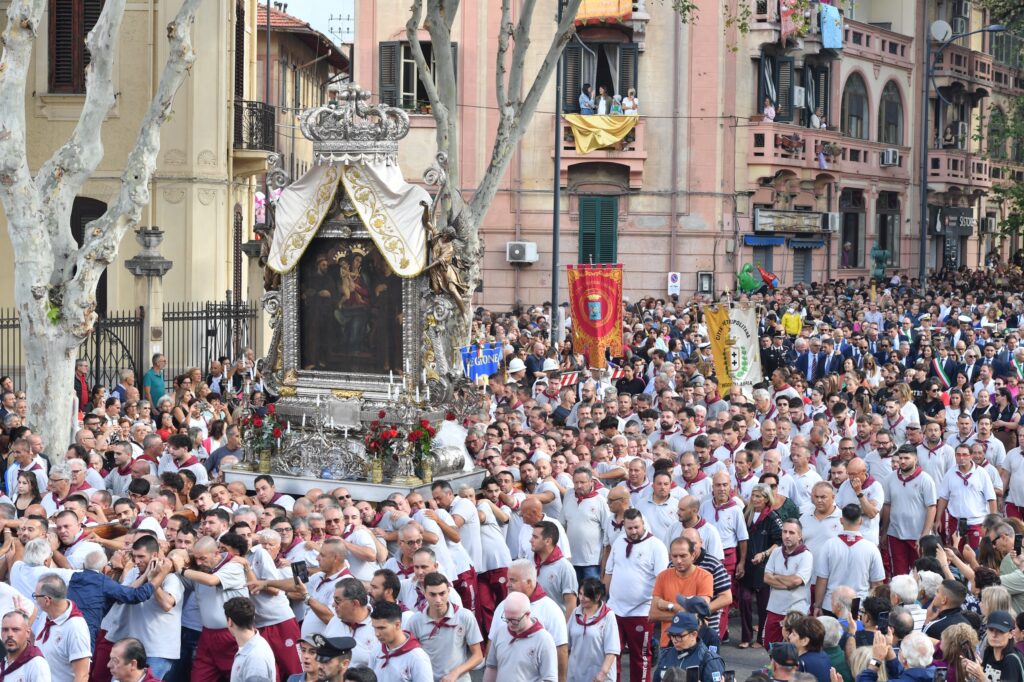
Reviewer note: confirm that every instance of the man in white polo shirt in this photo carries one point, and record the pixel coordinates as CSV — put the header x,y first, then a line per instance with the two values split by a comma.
x,y
554,572
522,577
634,562
821,519
909,511
216,579
448,634
73,544
846,560
789,572
401,658
351,603
254,661
861,488
725,513
266,493
688,513
933,455
967,493
522,649
64,638
584,516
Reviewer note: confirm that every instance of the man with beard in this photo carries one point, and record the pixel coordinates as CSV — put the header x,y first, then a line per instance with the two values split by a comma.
x,y
880,460
24,662
908,513
788,573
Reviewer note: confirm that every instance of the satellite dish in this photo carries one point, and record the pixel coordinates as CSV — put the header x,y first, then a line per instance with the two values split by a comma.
x,y
941,31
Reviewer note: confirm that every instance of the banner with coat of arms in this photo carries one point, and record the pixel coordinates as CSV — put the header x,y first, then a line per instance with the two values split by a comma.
x,y
734,346
595,301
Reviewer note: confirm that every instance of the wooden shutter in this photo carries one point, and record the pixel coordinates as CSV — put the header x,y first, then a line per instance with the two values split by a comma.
x,y
62,41
822,91
239,50
628,54
572,78
784,72
455,61
390,61
598,221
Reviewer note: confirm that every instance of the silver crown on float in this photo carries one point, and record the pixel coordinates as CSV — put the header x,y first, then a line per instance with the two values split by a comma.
x,y
350,131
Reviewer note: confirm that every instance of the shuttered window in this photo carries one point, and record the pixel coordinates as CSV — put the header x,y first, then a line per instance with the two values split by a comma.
x,y
70,23
822,92
239,50
399,80
612,65
599,228
784,88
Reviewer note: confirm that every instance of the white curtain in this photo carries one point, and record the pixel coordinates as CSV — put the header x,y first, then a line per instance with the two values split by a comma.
x,y
611,53
589,66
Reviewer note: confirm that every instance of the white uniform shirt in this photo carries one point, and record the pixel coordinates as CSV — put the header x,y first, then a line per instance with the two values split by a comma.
x,y
494,552
936,462
558,579
701,489
35,670
66,641
817,532
367,644
79,549
856,566
880,467
659,515
526,532
781,601
967,496
360,568
446,642
875,494
1014,466
803,484
732,527
254,662
533,658
212,599
908,501
632,577
590,642
270,609
711,541
994,449
543,610
584,524
321,587
470,530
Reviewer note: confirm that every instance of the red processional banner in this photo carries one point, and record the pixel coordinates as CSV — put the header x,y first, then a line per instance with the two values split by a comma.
x,y
595,302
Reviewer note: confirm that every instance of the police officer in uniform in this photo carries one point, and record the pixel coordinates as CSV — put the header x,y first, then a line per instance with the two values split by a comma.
x,y
687,651
334,655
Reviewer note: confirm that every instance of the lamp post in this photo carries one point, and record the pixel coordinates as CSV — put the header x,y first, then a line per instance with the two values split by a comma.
x,y
940,32
556,217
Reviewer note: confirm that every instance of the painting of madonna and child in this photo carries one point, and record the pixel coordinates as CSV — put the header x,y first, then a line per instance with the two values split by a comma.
x,y
350,308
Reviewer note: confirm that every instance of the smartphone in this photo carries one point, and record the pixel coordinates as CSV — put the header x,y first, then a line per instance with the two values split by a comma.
x,y
966,651
300,572
883,621
730,676
693,674
1018,541
855,608
939,675
961,527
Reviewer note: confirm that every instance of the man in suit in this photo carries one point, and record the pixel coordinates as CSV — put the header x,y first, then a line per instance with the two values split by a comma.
x,y
831,359
809,363
943,368
971,366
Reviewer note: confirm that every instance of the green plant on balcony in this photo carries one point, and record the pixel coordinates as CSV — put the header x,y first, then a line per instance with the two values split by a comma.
x,y
832,151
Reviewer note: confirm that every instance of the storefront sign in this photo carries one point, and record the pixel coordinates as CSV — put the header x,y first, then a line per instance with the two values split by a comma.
x,y
771,220
953,221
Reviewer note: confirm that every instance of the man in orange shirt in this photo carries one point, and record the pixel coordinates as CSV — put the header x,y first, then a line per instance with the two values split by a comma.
x,y
682,579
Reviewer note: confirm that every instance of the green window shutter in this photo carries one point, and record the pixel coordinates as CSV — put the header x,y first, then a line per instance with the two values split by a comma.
x,y
784,88
572,77
390,61
599,223
628,54
822,92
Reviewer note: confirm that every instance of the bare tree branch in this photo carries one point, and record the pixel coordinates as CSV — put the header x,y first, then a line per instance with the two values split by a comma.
x,y
412,35
566,29
62,176
500,69
104,234
521,41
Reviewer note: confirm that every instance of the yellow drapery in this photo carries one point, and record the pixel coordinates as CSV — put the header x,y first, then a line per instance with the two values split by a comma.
x,y
597,132
592,11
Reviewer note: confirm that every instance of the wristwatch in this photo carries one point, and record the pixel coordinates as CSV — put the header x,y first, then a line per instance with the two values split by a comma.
x,y
671,606
305,600
875,663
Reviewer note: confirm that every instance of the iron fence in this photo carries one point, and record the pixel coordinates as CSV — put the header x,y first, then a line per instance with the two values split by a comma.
x,y
196,333
254,125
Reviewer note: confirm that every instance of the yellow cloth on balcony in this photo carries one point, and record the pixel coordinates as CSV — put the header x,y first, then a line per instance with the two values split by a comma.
x,y
598,132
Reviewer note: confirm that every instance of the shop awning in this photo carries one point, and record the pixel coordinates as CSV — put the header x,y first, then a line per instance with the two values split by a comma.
x,y
806,243
758,240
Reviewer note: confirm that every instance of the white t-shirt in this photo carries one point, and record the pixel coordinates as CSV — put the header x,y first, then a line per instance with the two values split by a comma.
x,y
1014,466
659,515
526,532
908,502
150,624
36,670
632,577
470,530
411,666
817,532
270,609
254,661
212,599
494,552
367,644
589,643
66,641
584,523
876,495
936,462
447,646
533,658
360,568
732,527
856,566
544,610
967,496
79,550
321,587
782,601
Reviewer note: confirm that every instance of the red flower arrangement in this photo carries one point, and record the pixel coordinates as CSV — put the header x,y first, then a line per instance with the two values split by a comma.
x,y
259,433
381,438
422,435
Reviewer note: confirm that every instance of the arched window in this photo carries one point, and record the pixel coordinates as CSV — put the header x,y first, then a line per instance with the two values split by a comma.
x,y
855,108
890,116
997,133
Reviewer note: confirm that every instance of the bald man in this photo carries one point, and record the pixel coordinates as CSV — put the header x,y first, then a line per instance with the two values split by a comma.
x,y
861,488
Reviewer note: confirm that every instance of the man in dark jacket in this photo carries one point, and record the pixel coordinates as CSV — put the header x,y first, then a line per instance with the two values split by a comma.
x,y
94,593
912,664
687,651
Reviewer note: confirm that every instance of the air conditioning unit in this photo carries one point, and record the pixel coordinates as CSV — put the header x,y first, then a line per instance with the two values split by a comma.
x,y
959,25
987,225
831,221
961,9
521,252
799,97
890,157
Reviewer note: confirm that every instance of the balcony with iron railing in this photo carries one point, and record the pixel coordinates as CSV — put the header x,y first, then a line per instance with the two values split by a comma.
x,y
773,147
254,126
631,153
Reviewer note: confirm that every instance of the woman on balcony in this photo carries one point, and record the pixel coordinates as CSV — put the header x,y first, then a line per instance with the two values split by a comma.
x,y
769,110
631,105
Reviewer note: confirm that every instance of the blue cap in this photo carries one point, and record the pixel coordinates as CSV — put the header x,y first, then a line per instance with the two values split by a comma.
x,y
683,622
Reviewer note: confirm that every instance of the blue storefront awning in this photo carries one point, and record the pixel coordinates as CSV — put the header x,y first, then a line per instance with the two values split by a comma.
x,y
757,240
806,243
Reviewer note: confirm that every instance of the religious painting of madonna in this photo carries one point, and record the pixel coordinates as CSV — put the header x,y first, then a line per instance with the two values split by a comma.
x,y
350,309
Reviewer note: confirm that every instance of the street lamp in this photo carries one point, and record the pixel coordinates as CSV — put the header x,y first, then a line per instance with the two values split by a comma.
x,y
942,33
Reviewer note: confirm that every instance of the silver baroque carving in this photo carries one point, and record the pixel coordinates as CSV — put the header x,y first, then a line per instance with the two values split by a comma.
x,y
351,131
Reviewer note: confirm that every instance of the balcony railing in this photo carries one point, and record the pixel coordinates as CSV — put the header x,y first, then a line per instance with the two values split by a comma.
x,y
795,147
254,126
1007,79
631,153
958,167
965,65
865,40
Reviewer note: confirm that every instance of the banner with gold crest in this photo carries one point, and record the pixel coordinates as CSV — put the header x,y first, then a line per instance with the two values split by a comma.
x,y
595,299
734,346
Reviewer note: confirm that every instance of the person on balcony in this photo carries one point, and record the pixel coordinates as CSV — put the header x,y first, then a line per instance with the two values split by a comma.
x,y
604,102
769,110
818,119
586,101
630,104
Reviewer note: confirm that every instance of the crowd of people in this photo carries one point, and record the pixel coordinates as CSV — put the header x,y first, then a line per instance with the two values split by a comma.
x,y
860,514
